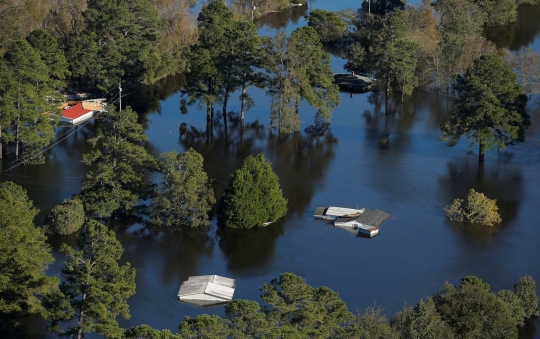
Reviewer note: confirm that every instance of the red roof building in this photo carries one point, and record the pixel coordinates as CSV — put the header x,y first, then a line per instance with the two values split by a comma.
x,y
76,114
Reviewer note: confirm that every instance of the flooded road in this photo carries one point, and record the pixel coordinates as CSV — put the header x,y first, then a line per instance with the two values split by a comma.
x,y
416,251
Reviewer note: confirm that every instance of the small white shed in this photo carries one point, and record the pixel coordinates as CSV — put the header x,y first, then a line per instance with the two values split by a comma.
x,y
207,290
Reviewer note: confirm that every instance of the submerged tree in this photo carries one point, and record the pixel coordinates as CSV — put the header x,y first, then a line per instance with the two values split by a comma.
x,y
253,196
329,25
491,107
95,287
116,181
185,196
66,218
24,257
476,209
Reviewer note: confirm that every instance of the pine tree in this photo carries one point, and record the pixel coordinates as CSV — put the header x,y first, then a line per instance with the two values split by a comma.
x,y
53,57
31,98
185,196
491,107
66,218
253,196
94,288
119,162
24,257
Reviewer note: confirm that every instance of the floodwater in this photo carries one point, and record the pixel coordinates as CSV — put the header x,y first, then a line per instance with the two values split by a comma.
x,y
416,251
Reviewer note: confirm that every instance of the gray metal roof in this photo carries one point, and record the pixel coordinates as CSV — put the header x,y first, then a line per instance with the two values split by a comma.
x,y
373,218
213,286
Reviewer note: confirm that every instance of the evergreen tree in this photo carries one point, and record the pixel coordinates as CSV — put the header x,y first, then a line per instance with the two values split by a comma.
x,y
30,99
491,107
117,37
94,288
203,327
300,70
146,332
329,26
253,196
7,112
185,196
473,312
497,12
53,57
24,257
422,322
246,320
115,183
375,325
525,290
66,218
313,312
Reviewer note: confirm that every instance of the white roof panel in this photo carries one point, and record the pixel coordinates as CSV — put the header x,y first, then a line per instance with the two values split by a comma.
x,y
339,211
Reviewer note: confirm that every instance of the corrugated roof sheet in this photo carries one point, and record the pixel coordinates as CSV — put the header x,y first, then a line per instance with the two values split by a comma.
x,y
339,211
212,285
373,218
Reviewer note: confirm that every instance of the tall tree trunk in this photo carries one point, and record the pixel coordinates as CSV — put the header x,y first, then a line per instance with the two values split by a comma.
x,y
242,102
17,139
225,99
82,314
1,142
386,96
481,152
403,91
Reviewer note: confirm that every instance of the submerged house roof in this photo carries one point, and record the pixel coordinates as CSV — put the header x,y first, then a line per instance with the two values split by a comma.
x,y
207,290
373,218
75,112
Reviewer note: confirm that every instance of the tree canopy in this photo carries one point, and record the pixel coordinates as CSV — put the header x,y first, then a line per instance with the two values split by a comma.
x,y
66,218
24,257
116,183
491,107
253,196
94,287
184,197
475,209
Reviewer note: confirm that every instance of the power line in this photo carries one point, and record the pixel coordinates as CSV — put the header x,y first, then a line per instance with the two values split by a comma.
x,y
58,141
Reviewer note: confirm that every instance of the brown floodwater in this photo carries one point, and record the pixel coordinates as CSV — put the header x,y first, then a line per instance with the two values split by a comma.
x,y
413,178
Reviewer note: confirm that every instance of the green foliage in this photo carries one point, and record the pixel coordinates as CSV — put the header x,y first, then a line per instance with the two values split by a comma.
x,y
94,287
383,6
476,209
422,322
115,183
247,320
300,70
28,99
146,332
185,196
253,196
66,218
329,25
24,256
203,327
491,107
118,37
53,57
497,12
375,325
293,305
459,17
473,312
525,290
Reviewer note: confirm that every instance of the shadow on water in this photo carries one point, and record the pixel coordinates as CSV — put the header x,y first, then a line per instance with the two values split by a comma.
x,y
520,34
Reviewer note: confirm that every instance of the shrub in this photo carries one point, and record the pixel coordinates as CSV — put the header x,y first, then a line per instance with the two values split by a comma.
x,y
253,196
66,218
475,209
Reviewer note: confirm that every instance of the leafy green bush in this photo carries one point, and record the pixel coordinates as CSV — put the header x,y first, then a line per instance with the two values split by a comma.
x,y
66,218
329,26
475,209
253,196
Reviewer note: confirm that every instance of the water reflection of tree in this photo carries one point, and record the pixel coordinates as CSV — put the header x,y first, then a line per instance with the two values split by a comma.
x,y
497,180
301,160
177,253
389,124
249,249
519,34
280,20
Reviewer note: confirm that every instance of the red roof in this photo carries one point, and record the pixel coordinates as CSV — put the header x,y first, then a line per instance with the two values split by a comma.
x,y
75,112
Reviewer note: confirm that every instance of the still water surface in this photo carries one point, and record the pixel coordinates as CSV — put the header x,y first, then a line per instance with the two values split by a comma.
x,y
417,249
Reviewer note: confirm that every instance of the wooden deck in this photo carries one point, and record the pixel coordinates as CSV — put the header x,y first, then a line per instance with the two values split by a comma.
x,y
354,83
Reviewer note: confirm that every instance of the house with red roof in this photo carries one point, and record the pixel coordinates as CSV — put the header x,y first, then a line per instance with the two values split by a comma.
x,y
76,114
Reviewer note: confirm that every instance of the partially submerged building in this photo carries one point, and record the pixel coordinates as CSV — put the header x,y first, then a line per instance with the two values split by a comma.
x,y
207,290
81,111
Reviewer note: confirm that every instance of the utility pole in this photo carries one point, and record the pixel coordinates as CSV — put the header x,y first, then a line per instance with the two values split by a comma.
x,y
252,9
369,7
120,94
